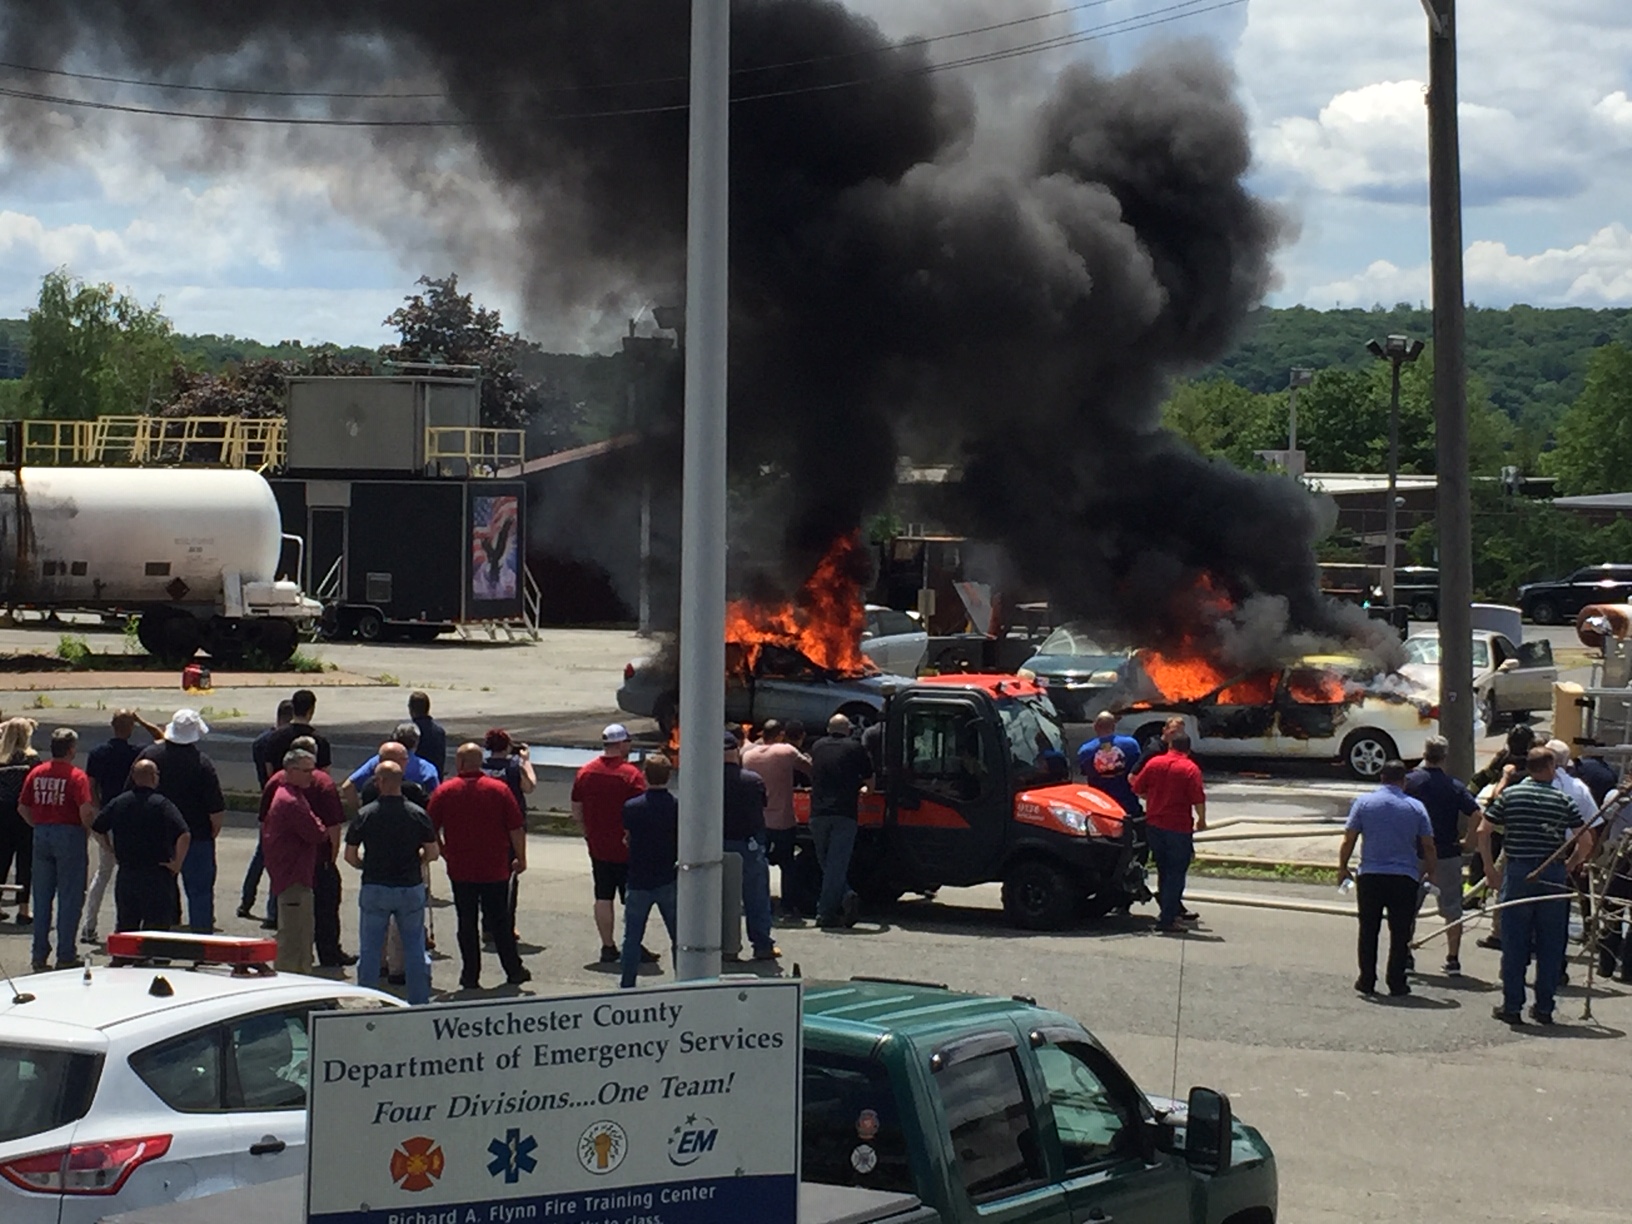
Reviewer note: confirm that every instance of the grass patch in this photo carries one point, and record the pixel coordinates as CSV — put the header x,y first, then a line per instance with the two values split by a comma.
x,y
307,664
1281,873
73,649
388,678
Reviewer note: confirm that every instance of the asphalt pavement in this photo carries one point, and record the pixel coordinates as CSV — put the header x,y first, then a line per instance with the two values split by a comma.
x,y
1378,1109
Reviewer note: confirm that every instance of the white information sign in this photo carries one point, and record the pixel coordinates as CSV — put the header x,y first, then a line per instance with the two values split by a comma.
x,y
676,1105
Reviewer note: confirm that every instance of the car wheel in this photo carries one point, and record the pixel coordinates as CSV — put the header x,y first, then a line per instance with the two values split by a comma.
x,y
1488,711
1147,733
859,714
1038,896
1544,612
1424,609
664,712
1365,752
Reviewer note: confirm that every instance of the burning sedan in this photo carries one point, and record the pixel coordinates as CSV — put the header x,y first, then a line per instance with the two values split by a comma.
x,y
1317,708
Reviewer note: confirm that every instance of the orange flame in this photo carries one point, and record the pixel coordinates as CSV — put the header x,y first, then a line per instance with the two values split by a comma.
x,y
1316,688
823,621
1182,678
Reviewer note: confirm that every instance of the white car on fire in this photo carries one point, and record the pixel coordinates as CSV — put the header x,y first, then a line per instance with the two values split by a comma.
x,y
130,1087
1322,708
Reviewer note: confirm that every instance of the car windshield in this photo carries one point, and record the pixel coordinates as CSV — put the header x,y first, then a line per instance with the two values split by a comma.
x,y
43,1089
1075,640
1426,650
1032,730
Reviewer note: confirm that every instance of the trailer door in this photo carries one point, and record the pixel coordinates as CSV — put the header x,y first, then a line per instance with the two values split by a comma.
x,y
327,538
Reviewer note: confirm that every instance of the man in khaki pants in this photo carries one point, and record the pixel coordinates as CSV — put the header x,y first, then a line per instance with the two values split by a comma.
x,y
291,839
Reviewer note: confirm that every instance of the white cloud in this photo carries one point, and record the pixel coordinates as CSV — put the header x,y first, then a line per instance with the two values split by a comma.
x,y
1597,272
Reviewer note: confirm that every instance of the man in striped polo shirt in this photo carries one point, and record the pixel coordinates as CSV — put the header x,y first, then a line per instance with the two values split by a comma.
x,y
1535,821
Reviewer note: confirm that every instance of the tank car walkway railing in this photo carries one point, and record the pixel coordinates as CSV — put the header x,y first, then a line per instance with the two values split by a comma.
x,y
205,441
458,450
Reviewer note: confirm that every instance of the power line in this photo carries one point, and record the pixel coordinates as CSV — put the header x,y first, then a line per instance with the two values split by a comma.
x,y
365,95
1156,17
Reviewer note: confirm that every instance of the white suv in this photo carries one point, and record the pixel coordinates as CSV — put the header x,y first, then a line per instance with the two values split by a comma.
x,y
129,1087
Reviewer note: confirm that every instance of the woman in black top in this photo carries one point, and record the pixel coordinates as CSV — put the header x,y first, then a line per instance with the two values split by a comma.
x,y
16,837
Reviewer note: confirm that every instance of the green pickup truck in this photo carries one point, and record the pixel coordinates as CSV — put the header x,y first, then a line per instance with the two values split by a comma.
x,y
973,1108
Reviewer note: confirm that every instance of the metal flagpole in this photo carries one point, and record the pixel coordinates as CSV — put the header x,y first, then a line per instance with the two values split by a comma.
x,y
702,526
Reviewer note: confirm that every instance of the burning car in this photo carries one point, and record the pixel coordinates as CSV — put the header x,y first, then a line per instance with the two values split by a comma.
x,y
771,682
1319,708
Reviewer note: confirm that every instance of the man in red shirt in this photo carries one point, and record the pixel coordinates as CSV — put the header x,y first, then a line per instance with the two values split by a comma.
x,y
598,794
56,802
324,796
1171,787
291,840
484,842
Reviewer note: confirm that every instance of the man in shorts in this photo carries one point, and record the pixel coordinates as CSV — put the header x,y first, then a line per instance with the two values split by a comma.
x,y
1451,808
599,792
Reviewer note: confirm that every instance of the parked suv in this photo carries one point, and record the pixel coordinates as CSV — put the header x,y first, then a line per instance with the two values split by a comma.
x,y
1416,587
1552,603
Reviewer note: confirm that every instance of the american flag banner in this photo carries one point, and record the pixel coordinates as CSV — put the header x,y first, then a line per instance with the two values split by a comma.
x,y
495,549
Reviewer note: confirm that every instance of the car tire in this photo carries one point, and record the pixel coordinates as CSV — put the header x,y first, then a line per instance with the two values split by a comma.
x,y
1544,612
1365,751
860,714
1038,896
665,713
1424,609
1146,733
1489,712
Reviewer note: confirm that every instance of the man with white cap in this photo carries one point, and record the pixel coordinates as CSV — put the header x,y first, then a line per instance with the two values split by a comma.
x,y
187,778
599,792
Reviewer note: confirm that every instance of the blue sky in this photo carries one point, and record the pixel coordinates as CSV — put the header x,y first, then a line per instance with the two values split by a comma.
x,y
268,246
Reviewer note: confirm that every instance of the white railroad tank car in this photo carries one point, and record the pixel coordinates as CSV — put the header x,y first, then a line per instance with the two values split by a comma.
x,y
194,553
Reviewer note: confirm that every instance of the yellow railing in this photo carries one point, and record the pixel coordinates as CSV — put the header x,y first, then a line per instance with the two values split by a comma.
x,y
480,450
231,442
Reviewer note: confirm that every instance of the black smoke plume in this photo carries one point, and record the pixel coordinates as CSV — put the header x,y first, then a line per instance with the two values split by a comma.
x,y
892,290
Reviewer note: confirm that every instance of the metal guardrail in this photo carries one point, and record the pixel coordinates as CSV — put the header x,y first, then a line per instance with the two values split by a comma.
x,y
480,451
258,444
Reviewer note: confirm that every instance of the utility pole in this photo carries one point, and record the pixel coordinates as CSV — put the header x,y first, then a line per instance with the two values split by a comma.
x,y
1299,377
1455,509
1397,351
702,523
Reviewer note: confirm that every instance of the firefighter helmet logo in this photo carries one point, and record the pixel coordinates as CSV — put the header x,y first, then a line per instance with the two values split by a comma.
x,y
417,1163
602,1147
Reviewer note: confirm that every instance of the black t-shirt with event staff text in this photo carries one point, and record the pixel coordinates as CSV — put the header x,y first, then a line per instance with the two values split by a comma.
x,y
391,831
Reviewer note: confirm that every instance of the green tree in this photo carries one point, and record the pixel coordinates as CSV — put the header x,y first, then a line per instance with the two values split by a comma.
x,y
253,388
1594,452
94,352
444,325
1219,418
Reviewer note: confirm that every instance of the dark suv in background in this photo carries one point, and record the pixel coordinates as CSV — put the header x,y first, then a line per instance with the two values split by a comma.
x,y
1416,587
1552,603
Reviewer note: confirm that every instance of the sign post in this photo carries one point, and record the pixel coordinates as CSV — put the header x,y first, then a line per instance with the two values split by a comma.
x,y
678,1104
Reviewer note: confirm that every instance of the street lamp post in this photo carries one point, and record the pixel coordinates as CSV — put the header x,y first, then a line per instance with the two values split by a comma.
x,y
1397,351
1299,377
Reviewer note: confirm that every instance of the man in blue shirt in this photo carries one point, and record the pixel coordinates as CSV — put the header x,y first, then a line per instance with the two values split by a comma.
x,y
651,830
418,770
1449,807
1397,834
433,740
1108,760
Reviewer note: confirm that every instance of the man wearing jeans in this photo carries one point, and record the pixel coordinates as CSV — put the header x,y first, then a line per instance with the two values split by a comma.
x,y
1170,785
187,778
1535,821
56,802
1396,833
484,841
840,769
390,840
745,837
651,824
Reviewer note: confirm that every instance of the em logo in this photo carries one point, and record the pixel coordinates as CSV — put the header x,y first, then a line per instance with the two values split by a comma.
x,y
692,1140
